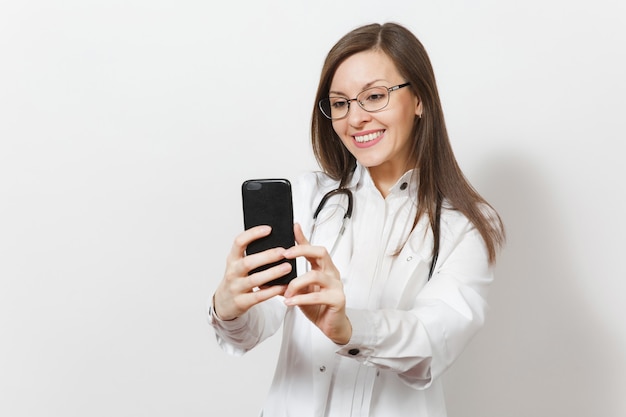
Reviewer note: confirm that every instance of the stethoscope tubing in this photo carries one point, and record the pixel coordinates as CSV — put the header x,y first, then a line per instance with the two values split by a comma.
x,y
348,215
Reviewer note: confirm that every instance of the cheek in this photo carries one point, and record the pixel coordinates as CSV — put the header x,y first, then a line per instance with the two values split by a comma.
x,y
339,127
409,118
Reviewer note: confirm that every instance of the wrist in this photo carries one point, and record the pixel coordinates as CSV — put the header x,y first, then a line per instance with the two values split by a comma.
x,y
346,333
219,317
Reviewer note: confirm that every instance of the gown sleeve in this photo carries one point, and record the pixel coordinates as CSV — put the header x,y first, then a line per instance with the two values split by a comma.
x,y
420,343
240,335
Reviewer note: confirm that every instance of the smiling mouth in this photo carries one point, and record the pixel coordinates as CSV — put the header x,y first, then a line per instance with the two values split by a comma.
x,y
369,137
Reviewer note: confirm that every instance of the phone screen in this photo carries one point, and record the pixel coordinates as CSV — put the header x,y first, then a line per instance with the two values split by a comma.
x,y
268,202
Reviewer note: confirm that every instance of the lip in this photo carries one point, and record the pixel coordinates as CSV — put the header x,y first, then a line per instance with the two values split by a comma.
x,y
370,143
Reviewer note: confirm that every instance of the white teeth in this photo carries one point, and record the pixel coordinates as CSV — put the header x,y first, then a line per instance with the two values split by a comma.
x,y
368,137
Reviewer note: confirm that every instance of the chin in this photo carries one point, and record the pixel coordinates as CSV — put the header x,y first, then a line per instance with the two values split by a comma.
x,y
369,163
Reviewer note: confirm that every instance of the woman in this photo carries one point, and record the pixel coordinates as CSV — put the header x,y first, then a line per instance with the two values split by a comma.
x,y
370,327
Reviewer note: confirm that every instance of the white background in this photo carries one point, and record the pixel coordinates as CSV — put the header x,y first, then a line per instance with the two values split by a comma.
x,y
127,127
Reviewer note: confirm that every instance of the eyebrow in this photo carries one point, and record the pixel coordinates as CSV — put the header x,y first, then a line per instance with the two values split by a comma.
x,y
365,87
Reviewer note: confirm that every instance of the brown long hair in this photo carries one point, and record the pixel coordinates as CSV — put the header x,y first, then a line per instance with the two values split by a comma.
x,y
440,177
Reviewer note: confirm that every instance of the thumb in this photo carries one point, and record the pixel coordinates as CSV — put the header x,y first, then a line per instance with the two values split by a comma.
x,y
299,235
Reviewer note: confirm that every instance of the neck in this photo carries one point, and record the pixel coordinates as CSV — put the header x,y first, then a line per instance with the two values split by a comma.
x,y
384,177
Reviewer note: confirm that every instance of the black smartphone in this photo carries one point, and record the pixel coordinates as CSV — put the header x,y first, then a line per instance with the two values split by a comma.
x,y
268,202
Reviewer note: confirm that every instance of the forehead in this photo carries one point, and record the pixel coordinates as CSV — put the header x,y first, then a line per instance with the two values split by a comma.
x,y
362,69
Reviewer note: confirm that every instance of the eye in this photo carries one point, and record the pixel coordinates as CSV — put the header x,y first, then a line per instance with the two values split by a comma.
x,y
376,96
338,103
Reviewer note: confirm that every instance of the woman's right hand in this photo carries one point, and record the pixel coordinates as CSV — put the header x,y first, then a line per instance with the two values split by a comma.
x,y
238,291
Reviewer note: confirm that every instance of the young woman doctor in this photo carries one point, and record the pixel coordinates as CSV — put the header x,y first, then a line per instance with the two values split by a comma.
x,y
369,328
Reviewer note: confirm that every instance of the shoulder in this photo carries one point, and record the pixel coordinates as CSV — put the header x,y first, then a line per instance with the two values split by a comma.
x,y
453,218
458,231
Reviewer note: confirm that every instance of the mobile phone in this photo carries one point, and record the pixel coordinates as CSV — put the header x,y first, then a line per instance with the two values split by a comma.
x,y
269,202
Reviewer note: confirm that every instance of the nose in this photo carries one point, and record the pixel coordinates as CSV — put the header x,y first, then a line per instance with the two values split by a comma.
x,y
356,114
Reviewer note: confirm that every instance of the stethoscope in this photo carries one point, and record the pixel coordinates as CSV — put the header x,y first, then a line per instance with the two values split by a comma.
x,y
348,215
344,221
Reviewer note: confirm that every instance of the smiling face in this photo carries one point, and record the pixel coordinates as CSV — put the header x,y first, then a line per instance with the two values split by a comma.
x,y
380,141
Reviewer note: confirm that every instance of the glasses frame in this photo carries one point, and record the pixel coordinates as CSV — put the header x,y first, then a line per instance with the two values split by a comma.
x,y
349,100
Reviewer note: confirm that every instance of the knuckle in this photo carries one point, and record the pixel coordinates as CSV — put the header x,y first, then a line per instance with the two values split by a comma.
x,y
244,263
278,252
259,296
319,251
247,263
240,304
240,241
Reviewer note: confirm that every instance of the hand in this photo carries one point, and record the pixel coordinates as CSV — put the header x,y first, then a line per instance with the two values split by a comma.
x,y
319,292
236,293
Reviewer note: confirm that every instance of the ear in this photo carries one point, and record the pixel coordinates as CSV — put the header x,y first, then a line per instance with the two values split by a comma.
x,y
418,107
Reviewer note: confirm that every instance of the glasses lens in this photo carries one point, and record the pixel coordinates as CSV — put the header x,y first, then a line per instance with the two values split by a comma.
x,y
334,107
373,99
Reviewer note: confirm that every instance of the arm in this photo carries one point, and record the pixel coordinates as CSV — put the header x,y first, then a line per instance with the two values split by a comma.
x,y
240,335
244,311
417,343
421,343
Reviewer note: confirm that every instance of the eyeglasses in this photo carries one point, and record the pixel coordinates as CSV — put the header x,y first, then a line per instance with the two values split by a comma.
x,y
371,99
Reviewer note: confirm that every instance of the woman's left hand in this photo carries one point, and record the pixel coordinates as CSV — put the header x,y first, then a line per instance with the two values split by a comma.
x,y
319,292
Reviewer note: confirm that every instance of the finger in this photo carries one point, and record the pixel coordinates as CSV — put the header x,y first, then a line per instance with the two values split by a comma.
x,y
261,278
299,235
312,281
244,302
256,260
306,250
266,293
245,238
317,256
333,299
